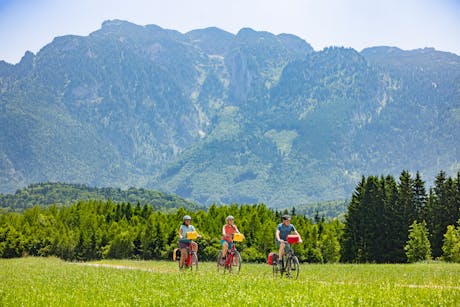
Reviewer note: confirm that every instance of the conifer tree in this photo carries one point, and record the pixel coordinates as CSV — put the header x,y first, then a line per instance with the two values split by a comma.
x,y
418,246
420,198
440,214
352,243
394,226
451,245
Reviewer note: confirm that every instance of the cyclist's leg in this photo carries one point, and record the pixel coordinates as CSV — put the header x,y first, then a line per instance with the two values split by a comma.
x,y
224,248
183,253
183,256
194,246
281,252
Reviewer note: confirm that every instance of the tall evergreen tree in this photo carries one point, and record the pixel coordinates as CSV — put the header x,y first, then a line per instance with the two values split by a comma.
x,y
394,225
353,241
420,198
418,245
438,212
374,224
451,244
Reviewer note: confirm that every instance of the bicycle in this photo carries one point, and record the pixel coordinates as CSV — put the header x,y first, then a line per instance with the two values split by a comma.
x,y
289,263
232,261
191,259
233,258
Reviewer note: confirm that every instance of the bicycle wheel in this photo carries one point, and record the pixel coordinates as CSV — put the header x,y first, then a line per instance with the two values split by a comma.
x,y
194,265
275,267
220,264
184,264
236,263
293,267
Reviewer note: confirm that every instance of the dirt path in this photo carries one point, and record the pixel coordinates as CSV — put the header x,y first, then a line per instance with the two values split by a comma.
x,y
126,267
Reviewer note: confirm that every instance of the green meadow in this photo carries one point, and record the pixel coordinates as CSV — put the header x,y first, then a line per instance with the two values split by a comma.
x,y
53,282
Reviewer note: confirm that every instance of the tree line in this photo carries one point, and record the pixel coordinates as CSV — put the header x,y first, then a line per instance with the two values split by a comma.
x,y
386,221
52,193
89,230
384,214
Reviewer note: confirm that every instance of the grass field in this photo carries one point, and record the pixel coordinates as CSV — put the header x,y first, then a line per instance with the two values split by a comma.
x,y
52,282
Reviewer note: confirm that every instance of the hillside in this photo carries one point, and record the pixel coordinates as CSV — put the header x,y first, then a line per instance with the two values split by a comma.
x,y
217,117
45,194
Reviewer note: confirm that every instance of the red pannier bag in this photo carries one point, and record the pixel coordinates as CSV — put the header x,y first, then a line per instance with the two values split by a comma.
x,y
271,258
293,239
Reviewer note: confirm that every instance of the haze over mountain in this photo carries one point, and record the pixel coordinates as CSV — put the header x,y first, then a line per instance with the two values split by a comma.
x,y
217,117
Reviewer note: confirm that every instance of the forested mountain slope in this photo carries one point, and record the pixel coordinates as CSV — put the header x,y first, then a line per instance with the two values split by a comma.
x,y
217,117
47,194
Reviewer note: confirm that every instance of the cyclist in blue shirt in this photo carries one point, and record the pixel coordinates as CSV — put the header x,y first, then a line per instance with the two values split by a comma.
x,y
282,231
183,241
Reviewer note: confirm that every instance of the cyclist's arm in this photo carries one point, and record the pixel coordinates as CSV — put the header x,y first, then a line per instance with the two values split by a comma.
x,y
236,229
197,234
181,233
300,238
277,235
223,231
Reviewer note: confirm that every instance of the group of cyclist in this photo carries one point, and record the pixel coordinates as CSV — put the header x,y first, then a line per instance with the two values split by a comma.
x,y
228,230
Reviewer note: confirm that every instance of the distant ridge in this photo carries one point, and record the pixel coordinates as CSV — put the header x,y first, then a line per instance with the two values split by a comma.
x,y
215,117
45,194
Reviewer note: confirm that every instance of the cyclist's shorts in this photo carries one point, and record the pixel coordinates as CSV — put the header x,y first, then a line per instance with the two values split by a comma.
x,y
183,244
287,247
230,244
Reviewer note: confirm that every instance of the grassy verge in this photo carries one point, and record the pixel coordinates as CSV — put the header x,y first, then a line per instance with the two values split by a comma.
x,y
52,282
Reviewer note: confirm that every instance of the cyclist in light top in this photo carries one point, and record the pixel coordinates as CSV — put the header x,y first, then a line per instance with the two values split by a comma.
x,y
282,231
183,241
227,235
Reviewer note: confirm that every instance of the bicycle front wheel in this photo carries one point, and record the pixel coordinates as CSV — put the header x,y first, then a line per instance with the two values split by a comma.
x,y
235,266
194,265
293,267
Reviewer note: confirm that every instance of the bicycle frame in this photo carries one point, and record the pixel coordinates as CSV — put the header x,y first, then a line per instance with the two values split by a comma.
x,y
289,263
232,260
230,256
191,257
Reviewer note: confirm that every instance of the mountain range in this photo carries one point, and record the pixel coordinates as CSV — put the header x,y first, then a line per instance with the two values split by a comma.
x,y
216,117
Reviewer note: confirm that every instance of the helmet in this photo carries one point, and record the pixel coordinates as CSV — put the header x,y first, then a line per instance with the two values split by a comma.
x,y
286,217
230,217
187,217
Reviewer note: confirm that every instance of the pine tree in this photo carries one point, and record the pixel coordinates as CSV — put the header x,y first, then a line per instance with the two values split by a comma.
x,y
352,243
451,246
394,226
418,246
420,198
373,223
438,212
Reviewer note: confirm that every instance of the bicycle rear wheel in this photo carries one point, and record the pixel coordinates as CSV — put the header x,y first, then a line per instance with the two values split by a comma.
x,y
293,267
275,266
235,266
220,263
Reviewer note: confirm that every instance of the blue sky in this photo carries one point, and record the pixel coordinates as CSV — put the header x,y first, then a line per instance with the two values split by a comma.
x,y
407,24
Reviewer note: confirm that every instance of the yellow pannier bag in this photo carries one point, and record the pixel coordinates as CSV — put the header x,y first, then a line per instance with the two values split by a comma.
x,y
176,254
192,235
238,237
